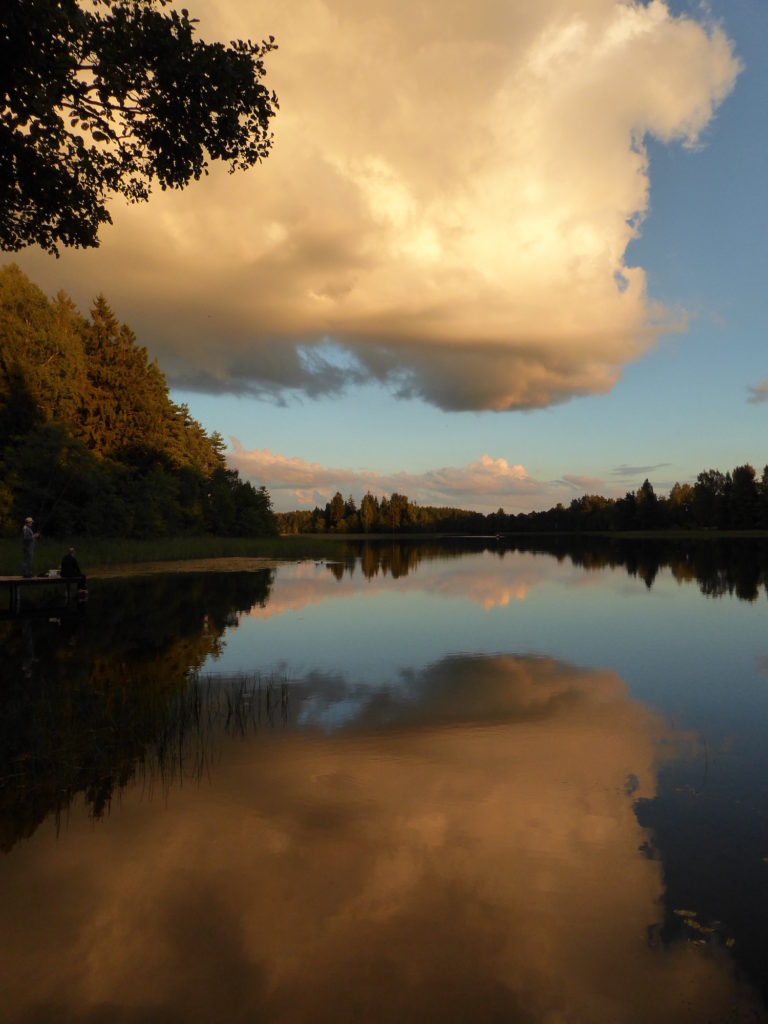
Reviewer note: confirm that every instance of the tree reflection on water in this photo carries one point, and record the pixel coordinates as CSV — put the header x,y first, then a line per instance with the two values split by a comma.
x,y
720,565
479,837
92,694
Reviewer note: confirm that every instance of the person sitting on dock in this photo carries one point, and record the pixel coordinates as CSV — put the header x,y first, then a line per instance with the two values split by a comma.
x,y
70,569
28,538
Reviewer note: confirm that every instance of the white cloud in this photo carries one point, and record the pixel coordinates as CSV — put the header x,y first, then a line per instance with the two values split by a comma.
x,y
484,484
450,199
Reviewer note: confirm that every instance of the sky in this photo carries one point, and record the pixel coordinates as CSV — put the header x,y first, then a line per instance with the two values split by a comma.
x,y
501,255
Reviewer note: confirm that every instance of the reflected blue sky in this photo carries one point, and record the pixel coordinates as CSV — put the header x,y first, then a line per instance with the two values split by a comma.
x,y
513,754
694,657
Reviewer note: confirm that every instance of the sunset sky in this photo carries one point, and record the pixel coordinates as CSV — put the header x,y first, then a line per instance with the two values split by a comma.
x,y
502,253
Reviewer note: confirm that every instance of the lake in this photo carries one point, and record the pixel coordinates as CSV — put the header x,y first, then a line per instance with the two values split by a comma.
x,y
486,780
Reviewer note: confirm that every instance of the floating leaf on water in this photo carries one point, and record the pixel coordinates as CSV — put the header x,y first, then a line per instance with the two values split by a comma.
x,y
685,913
632,784
730,942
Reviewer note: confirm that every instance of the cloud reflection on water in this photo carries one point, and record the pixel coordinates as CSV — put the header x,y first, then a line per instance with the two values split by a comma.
x,y
466,852
491,582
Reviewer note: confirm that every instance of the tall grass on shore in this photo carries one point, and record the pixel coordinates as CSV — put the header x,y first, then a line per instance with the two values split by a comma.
x,y
95,552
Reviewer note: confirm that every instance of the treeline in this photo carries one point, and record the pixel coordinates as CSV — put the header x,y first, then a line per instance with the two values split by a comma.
x,y
737,500
395,514
90,441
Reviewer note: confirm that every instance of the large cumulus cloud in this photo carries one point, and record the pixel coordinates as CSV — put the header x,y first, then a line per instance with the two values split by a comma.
x,y
449,203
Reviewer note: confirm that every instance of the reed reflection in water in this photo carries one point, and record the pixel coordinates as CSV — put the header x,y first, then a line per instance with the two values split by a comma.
x,y
88,695
464,849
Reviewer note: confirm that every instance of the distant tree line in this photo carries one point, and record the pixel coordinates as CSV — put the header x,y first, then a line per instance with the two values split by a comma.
x,y
90,441
394,514
737,500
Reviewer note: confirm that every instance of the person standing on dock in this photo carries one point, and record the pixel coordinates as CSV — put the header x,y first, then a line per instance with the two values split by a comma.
x,y
28,538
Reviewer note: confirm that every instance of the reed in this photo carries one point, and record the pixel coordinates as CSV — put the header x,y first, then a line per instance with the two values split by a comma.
x,y
60,741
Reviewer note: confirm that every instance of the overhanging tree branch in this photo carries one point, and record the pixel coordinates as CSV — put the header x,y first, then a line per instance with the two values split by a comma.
x,y
146,102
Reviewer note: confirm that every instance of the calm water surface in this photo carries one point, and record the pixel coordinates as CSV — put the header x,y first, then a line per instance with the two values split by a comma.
x,y
464,783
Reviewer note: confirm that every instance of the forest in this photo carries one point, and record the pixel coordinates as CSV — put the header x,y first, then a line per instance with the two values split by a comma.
x,y
91,443
736,500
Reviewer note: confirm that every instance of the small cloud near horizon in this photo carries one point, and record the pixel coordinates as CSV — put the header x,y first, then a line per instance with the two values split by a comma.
x,y
758,393
638,470
588,484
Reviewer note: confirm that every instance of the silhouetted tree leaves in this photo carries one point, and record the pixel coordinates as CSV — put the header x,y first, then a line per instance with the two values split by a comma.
x,y
109,96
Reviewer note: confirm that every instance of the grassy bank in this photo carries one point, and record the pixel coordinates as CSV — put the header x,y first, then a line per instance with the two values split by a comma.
x,y
94,553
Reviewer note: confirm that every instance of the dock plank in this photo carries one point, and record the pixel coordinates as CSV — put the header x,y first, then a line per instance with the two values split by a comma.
x,y
16,585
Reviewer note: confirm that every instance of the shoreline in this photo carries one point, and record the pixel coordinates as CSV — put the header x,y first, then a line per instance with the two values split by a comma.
x,y
226,563
102,558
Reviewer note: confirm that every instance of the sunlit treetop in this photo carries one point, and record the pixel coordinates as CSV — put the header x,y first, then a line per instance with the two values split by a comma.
x,y
101,97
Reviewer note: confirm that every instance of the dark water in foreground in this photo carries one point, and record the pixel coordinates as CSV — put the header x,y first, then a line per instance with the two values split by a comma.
x,y
454,783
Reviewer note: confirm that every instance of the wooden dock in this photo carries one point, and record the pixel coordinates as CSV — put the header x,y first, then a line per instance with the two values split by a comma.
x,y
18,585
